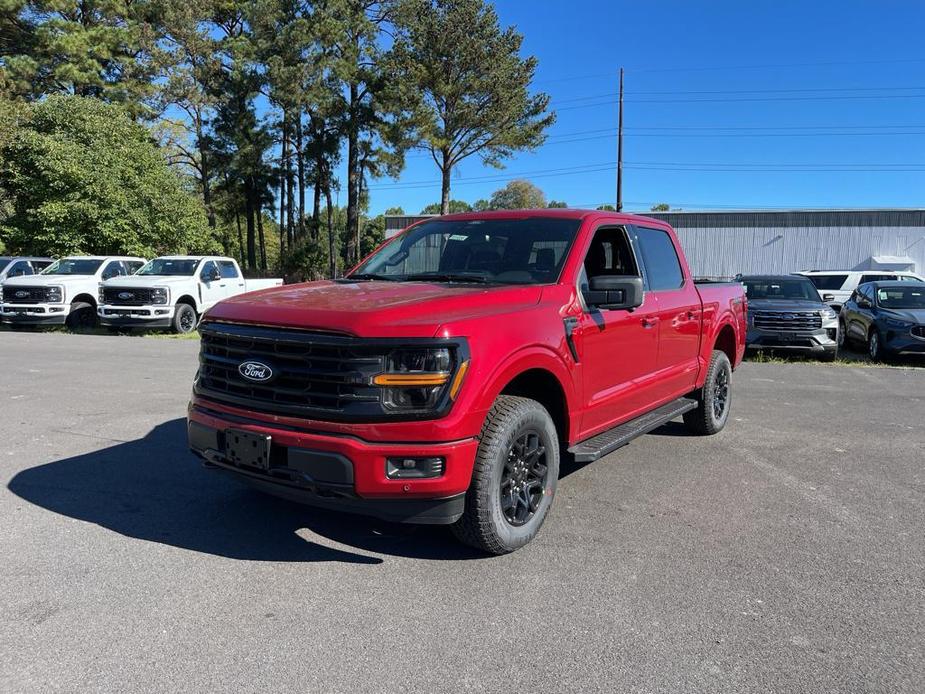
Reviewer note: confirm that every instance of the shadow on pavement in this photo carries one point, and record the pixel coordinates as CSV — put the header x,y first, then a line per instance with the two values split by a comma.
x,y
154,489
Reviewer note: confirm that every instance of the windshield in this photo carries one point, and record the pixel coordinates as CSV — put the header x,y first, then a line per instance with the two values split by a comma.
x,y
4,262
780,289
170,266
901,297
73,266
504,251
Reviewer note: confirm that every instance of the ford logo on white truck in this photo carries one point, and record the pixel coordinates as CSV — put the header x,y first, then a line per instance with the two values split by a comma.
x,y
21,294
255,371
126,295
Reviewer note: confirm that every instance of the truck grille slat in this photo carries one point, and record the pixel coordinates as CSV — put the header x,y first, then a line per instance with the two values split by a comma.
x,y
314,374
789,321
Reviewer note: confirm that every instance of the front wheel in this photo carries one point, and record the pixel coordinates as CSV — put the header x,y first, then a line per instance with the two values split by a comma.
x,y
184,319
82,316
842,335
875,346
514,479
713,399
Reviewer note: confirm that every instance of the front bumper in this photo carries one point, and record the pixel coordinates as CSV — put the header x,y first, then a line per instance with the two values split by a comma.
x,y
136,316
817,341
341,472
903,342
34,314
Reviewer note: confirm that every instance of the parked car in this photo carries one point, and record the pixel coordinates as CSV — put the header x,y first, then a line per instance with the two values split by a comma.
x,y
785,312
173,292
63,293
835,286
437,382
17,266
887,317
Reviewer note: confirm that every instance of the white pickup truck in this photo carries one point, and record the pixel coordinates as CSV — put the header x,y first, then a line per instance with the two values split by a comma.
x,y
64,293
173,292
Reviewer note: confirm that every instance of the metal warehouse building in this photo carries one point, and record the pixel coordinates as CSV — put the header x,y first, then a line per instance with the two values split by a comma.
x,y
723,244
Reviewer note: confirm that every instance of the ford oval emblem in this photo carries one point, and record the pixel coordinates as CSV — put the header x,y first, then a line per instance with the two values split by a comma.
x,y
255,371
21,294
126,295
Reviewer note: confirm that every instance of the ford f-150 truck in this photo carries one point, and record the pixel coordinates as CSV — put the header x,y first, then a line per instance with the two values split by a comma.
x,y
439,381
173,292
64,292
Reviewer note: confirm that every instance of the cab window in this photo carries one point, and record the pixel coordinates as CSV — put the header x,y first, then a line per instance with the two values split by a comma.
x,y
113,269
663,268
610,253
228,270
207,270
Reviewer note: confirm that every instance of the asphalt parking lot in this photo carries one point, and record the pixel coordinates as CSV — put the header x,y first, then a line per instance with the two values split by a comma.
x,y
785,555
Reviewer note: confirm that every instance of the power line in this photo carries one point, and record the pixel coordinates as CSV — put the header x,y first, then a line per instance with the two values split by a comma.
x,y
805,90
859,97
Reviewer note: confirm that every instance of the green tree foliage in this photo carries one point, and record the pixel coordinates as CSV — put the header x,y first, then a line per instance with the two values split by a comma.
x,y
101,48
472,82
84,178
606,208
517,195
454,207
557,204
660,207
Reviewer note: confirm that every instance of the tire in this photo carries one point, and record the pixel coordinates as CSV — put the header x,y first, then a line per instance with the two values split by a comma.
x,y
842,339
713,400
829,356
184,319
514,479
82,316
875,349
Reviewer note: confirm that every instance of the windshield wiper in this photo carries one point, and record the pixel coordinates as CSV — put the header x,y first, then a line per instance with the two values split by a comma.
x,y
446,277
362,276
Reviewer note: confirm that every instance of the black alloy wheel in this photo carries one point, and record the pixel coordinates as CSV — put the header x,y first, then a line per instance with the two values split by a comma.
x,y
524,478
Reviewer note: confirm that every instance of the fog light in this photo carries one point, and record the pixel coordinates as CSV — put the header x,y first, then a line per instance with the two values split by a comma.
x,y
414,468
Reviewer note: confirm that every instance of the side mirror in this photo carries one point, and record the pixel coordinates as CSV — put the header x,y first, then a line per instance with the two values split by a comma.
x,y
614,292
828,298
213,275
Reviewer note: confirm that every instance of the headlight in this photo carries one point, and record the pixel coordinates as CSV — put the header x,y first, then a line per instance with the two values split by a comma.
x,y
159,295
828,313
418,379
54,295
101,298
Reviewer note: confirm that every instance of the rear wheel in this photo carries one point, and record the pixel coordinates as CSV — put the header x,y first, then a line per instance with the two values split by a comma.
x,y
82,316
184,319
514,479
713,399
842,335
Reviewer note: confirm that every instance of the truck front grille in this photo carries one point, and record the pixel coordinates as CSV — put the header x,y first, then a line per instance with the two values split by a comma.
x,y
23,295
788,321
127,296
308,374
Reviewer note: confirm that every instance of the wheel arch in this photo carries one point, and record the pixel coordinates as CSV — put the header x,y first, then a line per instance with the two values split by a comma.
x,y
726,342
189,300
86,298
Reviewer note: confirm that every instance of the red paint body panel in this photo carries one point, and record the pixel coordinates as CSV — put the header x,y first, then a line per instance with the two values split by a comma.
x,y
629,361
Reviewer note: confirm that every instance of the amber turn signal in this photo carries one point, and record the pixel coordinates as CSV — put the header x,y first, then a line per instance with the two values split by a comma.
x,y
457,382
411,380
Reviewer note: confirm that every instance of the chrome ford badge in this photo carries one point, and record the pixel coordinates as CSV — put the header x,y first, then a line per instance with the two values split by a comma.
x,y
255,371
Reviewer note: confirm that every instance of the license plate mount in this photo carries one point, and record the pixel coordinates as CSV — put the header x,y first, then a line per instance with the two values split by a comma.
x,y
247,448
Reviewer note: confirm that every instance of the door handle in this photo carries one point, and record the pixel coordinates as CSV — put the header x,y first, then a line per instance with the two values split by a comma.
x,y
649,321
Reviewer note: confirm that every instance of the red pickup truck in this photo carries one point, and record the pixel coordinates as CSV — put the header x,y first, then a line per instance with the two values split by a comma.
x,y
442,380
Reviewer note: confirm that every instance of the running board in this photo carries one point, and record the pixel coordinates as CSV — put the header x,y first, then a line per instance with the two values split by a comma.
x,y
612,439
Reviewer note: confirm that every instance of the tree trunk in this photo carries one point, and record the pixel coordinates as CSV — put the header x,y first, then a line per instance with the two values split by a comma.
x,y
353,175
263,243
300,163
446,169
332,263
290,199
316,208
249,218
237,219
282,187
204,171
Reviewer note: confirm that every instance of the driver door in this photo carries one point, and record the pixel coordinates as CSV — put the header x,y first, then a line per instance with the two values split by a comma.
x,y
619,348
212,286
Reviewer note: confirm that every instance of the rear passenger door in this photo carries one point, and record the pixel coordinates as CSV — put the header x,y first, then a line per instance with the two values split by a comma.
x,y
231,278
679,312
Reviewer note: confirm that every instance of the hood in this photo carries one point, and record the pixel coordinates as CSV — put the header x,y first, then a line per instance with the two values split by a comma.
x,y
784,305
910,315
46,280
374,308
149,281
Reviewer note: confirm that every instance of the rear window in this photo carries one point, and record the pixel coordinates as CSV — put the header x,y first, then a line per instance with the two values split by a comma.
x,y
829,282
663,269
227,268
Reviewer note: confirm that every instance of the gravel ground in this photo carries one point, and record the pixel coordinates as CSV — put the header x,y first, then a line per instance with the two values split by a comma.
x,y
786,554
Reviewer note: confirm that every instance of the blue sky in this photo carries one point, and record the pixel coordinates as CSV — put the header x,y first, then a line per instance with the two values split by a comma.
x,y
728,105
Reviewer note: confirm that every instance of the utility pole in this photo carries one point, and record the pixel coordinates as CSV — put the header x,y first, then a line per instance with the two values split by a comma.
x,y
620,148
